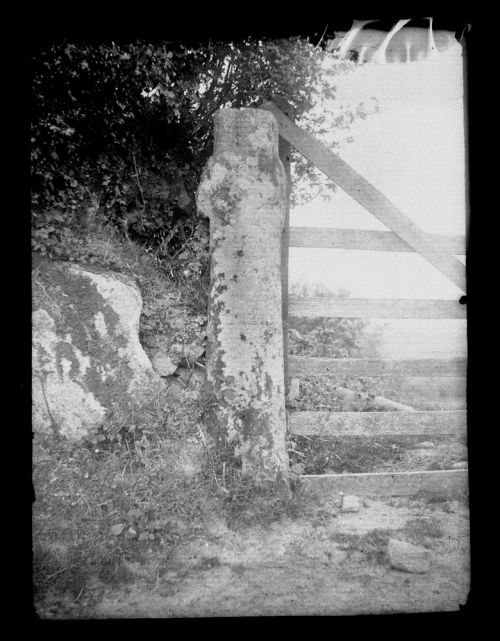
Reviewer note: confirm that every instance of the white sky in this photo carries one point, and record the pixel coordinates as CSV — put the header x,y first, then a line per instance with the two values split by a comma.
x,y
413,151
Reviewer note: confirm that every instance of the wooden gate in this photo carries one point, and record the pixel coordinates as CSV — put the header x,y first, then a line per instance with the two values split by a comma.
x,y
441,252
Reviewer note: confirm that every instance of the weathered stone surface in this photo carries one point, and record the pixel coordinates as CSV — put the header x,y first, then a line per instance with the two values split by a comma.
x,y
408,557
243,192
460,465
350,503
88,363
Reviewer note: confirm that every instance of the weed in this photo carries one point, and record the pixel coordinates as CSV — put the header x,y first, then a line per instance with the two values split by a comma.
x,y
420,530
97,508
321,455
243,501
238,569
248,504
322,518
373,544
208,562
440,497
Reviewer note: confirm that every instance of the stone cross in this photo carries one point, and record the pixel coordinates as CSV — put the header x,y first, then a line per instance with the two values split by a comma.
x,y
243,192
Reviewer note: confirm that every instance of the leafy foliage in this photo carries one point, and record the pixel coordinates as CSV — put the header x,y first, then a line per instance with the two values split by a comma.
x,y
121,131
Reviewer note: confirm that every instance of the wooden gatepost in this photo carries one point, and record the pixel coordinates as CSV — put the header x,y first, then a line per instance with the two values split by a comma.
x,y
243,191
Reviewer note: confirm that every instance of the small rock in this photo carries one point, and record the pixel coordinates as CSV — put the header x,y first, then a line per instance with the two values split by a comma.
x,y
427,445
350,504
131,533
117,529
367,503
460,465
191,377
144,536
163,365
408,557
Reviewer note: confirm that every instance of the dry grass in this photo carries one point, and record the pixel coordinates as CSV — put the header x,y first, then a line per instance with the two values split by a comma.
x,y
373,544
150,484
100,508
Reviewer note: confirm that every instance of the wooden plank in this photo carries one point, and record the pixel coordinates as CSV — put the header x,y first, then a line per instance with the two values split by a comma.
x,y
284,153
435,482
368,196
327,306
423,423
368,239
300,366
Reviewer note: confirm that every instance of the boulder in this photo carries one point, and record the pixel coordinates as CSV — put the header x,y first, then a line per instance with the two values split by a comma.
x,y
88,364
408,557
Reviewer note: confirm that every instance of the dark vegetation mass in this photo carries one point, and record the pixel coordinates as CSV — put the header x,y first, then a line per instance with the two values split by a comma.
x,y
121,131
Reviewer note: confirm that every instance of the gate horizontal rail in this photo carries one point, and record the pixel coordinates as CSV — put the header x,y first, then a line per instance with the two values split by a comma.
x,y
418,423
435,482
368,196
368,239
333,307
299,366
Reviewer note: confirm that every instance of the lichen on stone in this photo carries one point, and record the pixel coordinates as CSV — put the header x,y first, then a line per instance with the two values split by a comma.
x,y
242,192
87,358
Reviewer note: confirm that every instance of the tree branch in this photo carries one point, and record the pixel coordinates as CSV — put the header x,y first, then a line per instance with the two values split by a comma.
x,y
136,176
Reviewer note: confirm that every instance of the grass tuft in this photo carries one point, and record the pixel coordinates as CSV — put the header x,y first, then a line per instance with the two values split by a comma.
x,y
372,545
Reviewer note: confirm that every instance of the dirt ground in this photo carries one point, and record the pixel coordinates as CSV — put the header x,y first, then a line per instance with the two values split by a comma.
x,y
304,567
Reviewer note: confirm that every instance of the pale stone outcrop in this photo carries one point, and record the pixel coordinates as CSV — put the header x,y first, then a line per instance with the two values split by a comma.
x,y
88,363
243,192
